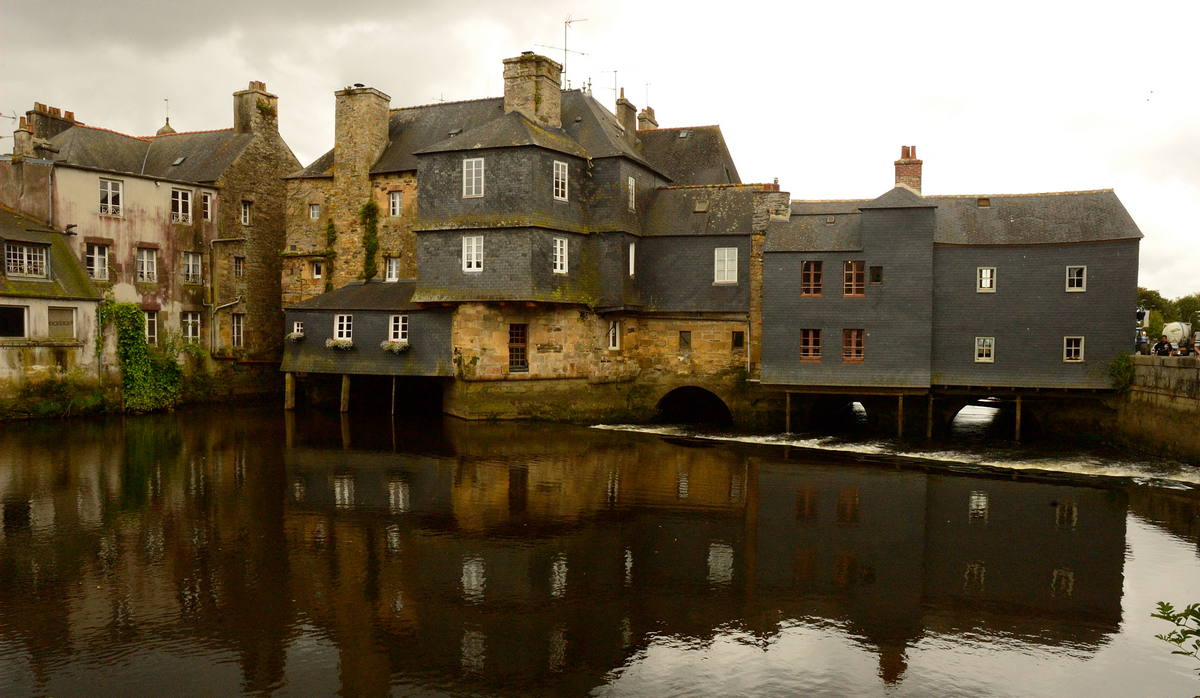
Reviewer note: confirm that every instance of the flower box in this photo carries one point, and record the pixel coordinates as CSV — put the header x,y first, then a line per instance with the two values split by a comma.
x,y
343,344
394,346
294,336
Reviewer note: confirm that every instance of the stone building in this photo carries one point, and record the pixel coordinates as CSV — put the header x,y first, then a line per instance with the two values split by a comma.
x,y
543,256
188,226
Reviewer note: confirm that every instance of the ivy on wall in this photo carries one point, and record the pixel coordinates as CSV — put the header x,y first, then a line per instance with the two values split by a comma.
x,y
150,377
369,216
330,241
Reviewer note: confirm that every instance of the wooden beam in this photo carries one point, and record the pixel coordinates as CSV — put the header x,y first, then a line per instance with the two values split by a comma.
x,y
929,418
787,420
289,391
345,392
900,417
1017,435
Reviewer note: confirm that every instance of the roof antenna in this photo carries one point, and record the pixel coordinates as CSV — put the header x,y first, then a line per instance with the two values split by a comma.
x,y
647,95
567,25
167,106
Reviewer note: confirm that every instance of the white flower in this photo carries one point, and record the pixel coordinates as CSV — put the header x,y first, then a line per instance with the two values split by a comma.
x,y
294,336
394,345
344,344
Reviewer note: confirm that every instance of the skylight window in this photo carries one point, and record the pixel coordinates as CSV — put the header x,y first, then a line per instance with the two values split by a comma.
x,y
178,161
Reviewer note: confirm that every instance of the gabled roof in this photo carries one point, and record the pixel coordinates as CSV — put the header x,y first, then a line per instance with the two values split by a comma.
x,y
415,128
814,233
206,154
510,130
692,155
899,197
673,211
363,295
68,280
597,129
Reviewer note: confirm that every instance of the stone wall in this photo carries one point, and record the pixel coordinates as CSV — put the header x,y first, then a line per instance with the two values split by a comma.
x,y
306,239
396,236
1171,382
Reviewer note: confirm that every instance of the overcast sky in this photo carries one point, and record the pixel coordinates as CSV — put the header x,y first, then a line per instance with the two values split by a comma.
x,y
998,97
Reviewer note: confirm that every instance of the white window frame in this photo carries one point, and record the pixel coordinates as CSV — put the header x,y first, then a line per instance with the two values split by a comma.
x,y
237,330
559,259
147,265
193,268
985,350
189,322
399,328
472,254
980,280
614,335
632,257
111,191
239,266
343,327
298,327
151,325
395,203
631,184
26,260
206,206
181,206
318,269
245,213
473,183
96,261
391,269
561,181
1082,288
314,211
1067,358
725,265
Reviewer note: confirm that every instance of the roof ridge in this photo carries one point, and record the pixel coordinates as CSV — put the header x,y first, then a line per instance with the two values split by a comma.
x,y
438,104
1043,193
828,201
678,128
185,133
109,130
731,185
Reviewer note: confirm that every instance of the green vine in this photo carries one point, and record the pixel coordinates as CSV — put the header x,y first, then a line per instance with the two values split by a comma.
x,y
330,241
369,216
150,377
1121,371
330,235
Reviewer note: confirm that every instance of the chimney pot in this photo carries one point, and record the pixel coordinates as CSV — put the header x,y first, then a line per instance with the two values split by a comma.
x,y
908,168
70,116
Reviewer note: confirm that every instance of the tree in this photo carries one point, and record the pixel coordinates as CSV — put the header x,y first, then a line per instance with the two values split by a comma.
x,y
1153,300
1186,636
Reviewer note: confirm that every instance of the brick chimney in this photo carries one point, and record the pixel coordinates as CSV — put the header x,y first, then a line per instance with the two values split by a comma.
x,y
47,122
627,117
908,169
533,87
255,110
646,120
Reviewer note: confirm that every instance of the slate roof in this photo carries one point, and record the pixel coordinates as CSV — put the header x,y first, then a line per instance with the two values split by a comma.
x,y
509,131
360,295
68,280
206,154
1010,219
672,211
692,155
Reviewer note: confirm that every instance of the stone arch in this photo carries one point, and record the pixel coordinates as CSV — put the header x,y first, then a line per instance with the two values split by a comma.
x,y
691,404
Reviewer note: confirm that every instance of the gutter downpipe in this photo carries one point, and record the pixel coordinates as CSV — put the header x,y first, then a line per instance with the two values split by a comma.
x,y
212,324
213,307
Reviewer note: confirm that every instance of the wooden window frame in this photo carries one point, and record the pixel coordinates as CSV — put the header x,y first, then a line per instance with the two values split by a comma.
x,y
472,254
473,178
343,326
190,320
985,350
245,213
561,175
318,270
314,211
631,184
518,348
632,258
614,335
1082,287
391,269
854,279
395,203
811,279
854,346
559,255
151,326
982,278
147,265
1069,356
206,206
725,261
193,273
94,255
111,197
737,340
810,346
181,206
237,330
685,340
398,328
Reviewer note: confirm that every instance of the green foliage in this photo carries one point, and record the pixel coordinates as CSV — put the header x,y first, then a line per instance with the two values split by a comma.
x,y
265,108
150,378
1182,309
1120,371
1186,636
368,215
1154,330
330,235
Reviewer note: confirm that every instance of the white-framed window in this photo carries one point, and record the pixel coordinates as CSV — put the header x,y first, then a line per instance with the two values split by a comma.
x,y
191,268
985,350
395,203
314,211
206,206
631,184
399,328
97,262
560,255
245,213
239,266
191,326
236,327
472,178
317,269
61,323
985,279
147,264
1076,279
181,206
343,327
110,197
632,257
1073,350
151,327
614,334
560,180
391,268
298,327
725,265
24,260
13,321
472,257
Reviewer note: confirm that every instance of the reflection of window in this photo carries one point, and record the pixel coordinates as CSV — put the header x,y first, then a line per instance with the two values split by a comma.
x,y
973,578
558,577
474,650
720,563
1066,515
682,484
845,569
558,647
735,487
343,491
398,496
847,505
804,566
806,503
474,579
978,508
1062,582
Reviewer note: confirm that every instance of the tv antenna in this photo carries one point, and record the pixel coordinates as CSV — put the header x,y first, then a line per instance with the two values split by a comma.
x,y
566,25
167,107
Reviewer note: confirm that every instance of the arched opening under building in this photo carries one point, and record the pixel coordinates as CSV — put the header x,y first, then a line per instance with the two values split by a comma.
x,y
692,405
992,418
838,414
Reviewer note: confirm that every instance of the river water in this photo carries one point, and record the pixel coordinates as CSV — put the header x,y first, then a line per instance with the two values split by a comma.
x,y
224,552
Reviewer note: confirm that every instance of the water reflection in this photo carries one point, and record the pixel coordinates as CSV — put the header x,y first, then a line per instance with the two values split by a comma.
x,y
513,559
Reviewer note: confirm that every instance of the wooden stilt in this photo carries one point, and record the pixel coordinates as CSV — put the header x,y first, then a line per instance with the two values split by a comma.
x,y
393,396
900,418
788,415
345,392
929,418
1017,435
289,391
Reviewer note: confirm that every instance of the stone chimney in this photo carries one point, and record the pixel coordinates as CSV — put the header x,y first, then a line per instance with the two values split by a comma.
x,y
533,87
360,128
646,121
23,141
908,168
47,122
627,117
255,110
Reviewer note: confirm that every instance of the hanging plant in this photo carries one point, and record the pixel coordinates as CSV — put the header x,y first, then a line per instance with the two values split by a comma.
x,y
369,217
343,344
395,346
294,336
150,377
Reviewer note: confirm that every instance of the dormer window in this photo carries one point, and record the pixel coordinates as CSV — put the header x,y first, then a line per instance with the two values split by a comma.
x,y
25,260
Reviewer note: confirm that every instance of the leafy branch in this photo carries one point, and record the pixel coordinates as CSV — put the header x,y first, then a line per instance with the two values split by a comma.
x,y
1187,634
369,216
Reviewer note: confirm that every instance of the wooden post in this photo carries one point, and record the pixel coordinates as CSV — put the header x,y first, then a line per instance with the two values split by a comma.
x,y
289,391
393,396
787,420
345,392
289,426
900,418
1017,436
929,418
345,431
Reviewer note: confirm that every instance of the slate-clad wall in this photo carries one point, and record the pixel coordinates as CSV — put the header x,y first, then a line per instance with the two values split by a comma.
x,y
608,194
1031,312
429,352
675,274
897,314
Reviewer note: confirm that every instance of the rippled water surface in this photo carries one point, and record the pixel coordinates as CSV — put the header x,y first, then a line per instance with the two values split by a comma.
x,y
228,552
